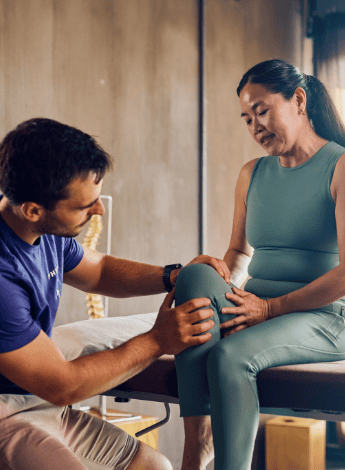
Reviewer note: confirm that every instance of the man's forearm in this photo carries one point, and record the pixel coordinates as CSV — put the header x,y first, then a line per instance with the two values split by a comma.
x,y
238,265
124,278
323,291
96,373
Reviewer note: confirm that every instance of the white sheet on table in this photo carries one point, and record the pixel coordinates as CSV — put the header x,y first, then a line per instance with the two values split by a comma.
x,y
88,336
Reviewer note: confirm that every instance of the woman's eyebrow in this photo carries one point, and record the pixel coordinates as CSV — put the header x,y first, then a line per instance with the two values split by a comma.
x,y
255,105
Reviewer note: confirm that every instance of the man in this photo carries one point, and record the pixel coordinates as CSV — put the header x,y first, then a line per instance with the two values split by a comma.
x,y
51,177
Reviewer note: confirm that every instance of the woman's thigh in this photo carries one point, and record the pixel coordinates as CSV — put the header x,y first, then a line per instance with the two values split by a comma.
x,y
294,338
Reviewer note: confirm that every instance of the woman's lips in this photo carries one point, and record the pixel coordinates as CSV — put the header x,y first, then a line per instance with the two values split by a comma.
x,y
266,140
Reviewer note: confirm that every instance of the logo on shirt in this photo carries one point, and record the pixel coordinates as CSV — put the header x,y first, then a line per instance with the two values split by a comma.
x,y
53,273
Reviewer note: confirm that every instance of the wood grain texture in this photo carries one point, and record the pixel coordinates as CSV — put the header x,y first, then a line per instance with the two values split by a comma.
x,y
295,443
239,34
126,71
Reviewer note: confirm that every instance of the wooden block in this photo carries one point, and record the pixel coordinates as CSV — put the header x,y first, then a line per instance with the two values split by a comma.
x,y
131,427
295,444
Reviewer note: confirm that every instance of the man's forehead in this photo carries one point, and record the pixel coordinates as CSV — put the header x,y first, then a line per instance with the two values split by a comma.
x,y
84,191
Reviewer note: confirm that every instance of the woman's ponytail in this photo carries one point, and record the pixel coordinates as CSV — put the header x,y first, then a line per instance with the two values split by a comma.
x,y
322,112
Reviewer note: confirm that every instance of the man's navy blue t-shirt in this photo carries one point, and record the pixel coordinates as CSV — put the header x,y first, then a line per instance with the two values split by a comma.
x,y
31,279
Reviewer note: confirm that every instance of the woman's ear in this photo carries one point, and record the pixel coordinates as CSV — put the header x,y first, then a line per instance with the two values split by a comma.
x,y
32,211
301,99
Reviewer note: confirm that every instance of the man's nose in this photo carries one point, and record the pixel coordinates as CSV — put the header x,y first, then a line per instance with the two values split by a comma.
x,y
98,208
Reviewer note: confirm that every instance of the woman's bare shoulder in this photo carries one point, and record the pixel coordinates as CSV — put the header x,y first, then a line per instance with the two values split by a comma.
x,y
246,172
243,181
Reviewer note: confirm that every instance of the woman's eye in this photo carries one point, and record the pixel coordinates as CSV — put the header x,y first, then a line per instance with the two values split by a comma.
x,y
248,122
263,113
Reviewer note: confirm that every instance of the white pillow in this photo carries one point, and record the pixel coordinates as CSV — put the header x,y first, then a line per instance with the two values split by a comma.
x,y
88,336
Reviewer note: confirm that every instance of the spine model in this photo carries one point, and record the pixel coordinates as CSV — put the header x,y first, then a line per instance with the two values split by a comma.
x,y
95,306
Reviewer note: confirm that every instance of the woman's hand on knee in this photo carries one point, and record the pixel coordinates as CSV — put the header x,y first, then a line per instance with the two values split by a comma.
x,y
250,310
218,264
176,328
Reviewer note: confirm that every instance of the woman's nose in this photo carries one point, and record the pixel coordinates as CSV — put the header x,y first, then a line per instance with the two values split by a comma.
x,y
257,126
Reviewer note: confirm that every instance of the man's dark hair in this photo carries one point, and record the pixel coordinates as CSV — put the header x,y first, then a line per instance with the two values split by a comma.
x,y
40,157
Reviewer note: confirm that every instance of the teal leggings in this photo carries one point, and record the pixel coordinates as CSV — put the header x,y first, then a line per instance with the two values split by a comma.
x,y
219,377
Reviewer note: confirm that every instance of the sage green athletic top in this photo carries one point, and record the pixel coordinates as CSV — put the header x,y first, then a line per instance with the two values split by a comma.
x,y
291,223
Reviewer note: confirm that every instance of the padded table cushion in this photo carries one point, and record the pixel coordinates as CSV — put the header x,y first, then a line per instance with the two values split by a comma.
x,y
319,386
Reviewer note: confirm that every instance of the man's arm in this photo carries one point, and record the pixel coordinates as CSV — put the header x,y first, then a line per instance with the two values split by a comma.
x,y
117,277
41,369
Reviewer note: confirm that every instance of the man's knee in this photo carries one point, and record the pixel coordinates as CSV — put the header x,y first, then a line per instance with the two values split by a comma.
x,y
147,458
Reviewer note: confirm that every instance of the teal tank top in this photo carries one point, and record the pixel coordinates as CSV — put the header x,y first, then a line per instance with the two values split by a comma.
x,y
291,223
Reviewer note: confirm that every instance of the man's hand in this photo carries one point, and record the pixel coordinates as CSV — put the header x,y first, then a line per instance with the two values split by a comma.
x,y
218,264
175,328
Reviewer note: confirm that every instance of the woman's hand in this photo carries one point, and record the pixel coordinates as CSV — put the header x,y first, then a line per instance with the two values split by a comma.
x,y
250,310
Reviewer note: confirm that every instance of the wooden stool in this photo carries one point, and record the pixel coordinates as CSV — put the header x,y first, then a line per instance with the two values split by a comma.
x,y
295,444
132,426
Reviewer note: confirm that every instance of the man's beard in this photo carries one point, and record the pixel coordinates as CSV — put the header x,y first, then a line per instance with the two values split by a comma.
x,y
51,225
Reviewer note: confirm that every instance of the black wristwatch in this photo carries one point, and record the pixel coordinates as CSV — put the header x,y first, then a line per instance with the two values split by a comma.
x,y
166,275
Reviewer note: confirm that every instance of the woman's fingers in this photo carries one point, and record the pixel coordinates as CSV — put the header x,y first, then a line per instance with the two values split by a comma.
x,y
234,322
235,330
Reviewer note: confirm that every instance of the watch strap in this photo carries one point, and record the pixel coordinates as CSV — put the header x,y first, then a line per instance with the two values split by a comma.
x,y
168,287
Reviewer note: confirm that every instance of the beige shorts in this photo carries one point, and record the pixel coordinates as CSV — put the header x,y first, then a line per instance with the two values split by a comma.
x,y
36,435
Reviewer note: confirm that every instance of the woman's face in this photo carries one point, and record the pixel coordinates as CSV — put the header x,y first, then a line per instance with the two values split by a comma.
x,y
273,122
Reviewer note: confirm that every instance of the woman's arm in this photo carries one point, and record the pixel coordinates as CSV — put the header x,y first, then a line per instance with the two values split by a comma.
x,y
322,291
238,265
239,253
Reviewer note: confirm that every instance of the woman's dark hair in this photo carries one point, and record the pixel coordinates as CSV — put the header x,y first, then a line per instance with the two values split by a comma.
x,y
40,157
278,76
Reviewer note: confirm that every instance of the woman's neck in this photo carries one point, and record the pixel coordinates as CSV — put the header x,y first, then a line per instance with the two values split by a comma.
x,y
304,149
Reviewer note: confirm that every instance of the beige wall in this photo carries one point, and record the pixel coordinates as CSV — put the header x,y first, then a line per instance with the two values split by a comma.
x,y
126,71
239,35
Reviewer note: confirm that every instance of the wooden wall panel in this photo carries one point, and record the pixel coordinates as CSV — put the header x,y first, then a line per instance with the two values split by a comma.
x,y
239,35
126,71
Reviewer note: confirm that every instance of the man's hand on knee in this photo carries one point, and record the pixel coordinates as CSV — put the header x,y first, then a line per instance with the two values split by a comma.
x,y
218,264
178,328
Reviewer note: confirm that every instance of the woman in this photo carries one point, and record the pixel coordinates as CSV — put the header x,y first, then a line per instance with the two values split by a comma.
x,y
290,207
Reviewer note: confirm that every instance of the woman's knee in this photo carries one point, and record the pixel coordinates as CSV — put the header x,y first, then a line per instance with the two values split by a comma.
x,y
196,280
196,270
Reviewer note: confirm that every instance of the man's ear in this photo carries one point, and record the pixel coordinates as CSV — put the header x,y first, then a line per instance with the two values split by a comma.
x,y
32,212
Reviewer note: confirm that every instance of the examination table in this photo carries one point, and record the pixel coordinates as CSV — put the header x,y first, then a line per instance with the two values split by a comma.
x,y
310,390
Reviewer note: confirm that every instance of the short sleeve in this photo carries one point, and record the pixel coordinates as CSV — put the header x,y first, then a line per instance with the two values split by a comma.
x,y
17,327
73,254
